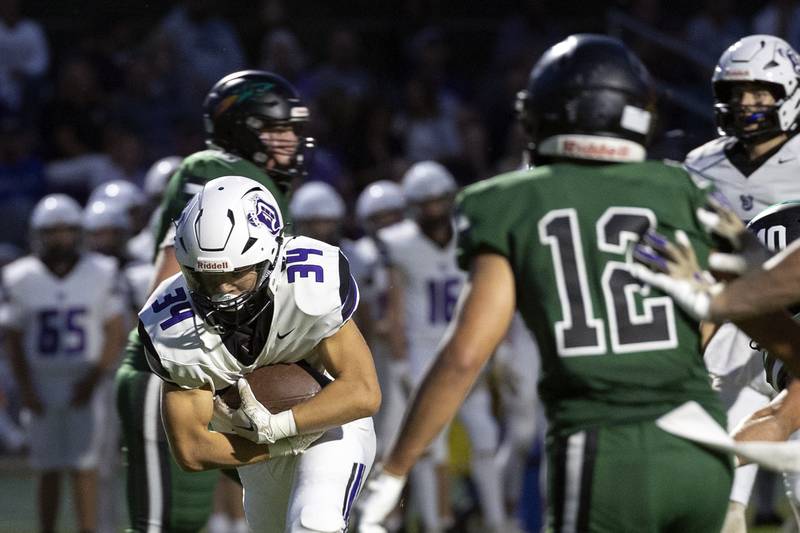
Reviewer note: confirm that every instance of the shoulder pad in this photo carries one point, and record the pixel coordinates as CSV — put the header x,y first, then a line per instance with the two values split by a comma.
x,y
109,264
313,275
398,235
707,154
13,271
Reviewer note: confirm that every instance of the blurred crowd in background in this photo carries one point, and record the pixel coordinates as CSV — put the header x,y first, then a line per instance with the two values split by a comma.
x,y
96,91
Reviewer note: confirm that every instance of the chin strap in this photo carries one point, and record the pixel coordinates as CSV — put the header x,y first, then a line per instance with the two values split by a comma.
x,y
592,147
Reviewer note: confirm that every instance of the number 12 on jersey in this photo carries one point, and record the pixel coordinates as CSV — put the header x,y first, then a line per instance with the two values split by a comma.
x,y
580,331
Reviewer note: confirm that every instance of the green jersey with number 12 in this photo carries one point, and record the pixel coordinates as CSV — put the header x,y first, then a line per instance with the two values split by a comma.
x,y
612,350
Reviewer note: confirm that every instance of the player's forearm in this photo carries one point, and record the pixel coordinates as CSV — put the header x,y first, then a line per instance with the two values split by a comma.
x,y
435,403
773,288
341,401
19,365
766,424
779,334
113,343
208,450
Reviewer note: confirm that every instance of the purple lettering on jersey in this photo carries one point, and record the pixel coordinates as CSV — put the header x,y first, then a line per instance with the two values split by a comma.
x,y
442,298
61,331
300,255
49,333
304,271
74,326
179,313
179,308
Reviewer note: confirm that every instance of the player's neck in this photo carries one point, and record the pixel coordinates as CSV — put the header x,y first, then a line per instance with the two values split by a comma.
x,y
61,267
441,234
754,151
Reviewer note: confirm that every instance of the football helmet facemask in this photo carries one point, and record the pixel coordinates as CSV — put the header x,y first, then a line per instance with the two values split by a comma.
x,y
228,242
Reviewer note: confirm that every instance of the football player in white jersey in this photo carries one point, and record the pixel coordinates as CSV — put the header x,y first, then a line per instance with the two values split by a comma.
x,y
142,244
737,367
248,297
132,199
754,164
380,205
424,285
106,226
62,313
318,212
106,230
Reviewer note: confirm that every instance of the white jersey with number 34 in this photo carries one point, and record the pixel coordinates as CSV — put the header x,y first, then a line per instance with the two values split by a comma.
x,y
313,296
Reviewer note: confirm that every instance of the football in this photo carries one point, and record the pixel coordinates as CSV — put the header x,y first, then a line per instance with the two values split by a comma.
x,y
280,386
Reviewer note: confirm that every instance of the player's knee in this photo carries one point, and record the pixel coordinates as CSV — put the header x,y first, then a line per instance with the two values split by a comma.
x,y
318,519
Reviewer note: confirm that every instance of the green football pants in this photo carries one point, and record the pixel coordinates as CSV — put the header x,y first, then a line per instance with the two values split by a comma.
x,y
635,478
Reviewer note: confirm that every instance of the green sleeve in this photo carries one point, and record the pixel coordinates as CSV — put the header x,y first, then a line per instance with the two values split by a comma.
x,y
201,167
483,220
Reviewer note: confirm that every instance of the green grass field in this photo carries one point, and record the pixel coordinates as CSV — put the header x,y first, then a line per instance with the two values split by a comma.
x,y
18,504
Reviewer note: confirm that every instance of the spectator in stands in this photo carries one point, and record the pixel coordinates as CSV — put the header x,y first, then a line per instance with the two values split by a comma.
x,y
780,18
24,56
22,180
713,29
282,52
76,116
144,104
206,47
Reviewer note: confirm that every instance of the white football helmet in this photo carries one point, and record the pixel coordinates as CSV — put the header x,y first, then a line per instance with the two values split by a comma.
x,y
55,210
427,180
383,195
106,213
123,192
228,241
316,200
762,59
157,177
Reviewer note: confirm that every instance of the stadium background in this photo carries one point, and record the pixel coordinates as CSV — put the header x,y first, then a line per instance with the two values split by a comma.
x,y
124,81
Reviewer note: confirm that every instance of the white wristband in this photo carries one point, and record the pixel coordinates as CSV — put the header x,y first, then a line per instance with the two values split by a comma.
x,y
283,425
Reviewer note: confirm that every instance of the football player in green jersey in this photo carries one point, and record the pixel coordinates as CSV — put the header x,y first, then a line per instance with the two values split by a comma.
x,y
253,122
551,242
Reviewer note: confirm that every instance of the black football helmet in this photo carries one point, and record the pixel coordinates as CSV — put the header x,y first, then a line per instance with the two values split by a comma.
x,y
588,97
242,105
777,225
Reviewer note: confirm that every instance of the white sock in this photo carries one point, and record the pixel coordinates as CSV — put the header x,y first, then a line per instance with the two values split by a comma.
x,y
219,523
485,474
426,493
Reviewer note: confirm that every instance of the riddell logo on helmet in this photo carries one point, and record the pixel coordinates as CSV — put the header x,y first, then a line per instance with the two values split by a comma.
x,y
594,149
213,265
737,73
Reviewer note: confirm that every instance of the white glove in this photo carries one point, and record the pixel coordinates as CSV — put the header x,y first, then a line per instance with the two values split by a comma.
x,y
745,252
222,418
673,268
379,499
293,445
253,421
